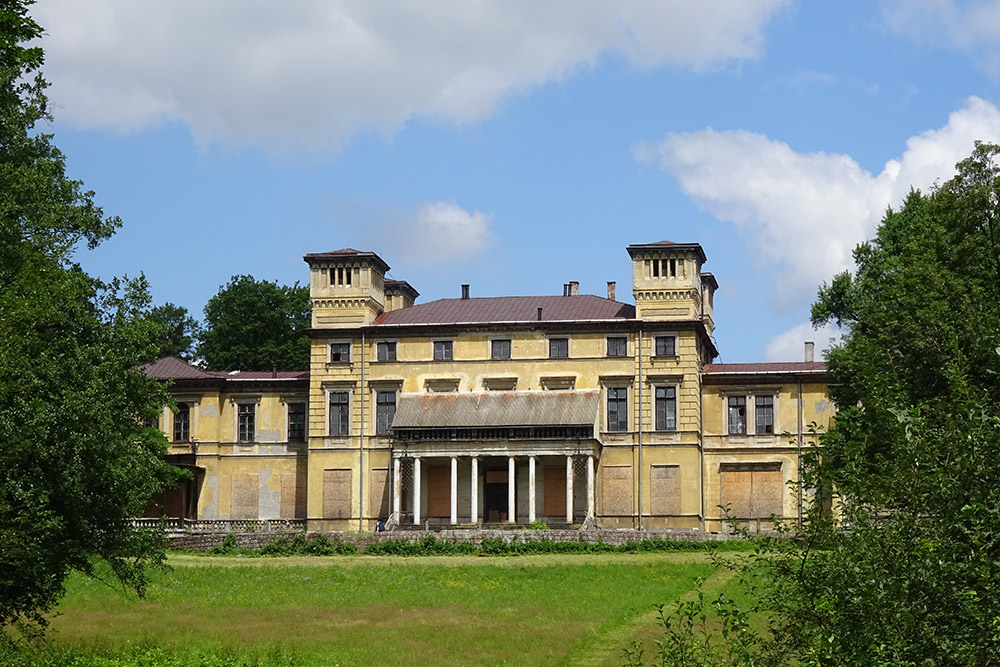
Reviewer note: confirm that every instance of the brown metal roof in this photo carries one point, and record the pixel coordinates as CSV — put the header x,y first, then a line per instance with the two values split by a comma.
x,y
766,368
497,408
172,368
509,309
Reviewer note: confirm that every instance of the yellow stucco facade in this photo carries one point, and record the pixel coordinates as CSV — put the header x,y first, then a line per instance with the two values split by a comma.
x,y
571,409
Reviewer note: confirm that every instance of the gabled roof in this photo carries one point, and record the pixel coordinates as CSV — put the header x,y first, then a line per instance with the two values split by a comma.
x,y
509,309
172,368
497,408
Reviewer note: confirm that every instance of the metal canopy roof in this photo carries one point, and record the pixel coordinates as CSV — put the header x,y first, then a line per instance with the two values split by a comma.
x,y
497,408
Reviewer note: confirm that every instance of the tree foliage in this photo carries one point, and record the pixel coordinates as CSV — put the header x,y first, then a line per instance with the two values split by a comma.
x,y
75,459
253,325
177,331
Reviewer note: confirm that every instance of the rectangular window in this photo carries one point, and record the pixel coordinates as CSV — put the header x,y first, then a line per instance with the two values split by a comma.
x,y
340,423
247,413
617,346
386,351
664,346
182,423
340,353
500,349
385,411
666,408
617,409
737,415
442,350
765,415
558,348
296,422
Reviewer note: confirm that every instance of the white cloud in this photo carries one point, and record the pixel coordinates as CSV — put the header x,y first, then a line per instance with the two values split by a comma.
x,y
314,72
803,214
972,27
436,233
790,345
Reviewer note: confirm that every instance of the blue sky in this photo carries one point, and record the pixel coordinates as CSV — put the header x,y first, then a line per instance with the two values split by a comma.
x,y
516,145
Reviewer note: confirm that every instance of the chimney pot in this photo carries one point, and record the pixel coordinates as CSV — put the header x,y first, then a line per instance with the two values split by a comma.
x,y
465,291
565,289
574,288
611,290
810,350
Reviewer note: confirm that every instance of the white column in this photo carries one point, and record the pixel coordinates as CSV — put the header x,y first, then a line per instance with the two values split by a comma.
x,y
511,510
590,485
454,490
397,487
569,489
531,489
474,491
416,491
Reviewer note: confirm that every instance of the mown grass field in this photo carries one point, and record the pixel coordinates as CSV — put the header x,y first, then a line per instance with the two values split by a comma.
x,y
528,610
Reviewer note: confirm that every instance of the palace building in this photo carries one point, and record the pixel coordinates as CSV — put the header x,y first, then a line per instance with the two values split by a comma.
x,y
572,409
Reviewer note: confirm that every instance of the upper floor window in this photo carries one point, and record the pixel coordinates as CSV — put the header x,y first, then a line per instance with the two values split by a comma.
x,y
340,423
500,349
617,346
664,346
665,407
296,422
558,348
246,421
340,353
617,408
737,415
182,423
442,350
386,351
385,411
764,415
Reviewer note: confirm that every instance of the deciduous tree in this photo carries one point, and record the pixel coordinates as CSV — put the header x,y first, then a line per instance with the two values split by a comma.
x,y
177,331
76,460
255,325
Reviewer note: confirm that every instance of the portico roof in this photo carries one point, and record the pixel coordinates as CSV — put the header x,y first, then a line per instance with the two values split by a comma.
x,y
497,409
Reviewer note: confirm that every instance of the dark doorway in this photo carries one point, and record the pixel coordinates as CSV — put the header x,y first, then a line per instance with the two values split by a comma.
x,y
495,496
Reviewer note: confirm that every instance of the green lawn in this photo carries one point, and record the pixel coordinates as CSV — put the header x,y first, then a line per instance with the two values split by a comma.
x,y
529,610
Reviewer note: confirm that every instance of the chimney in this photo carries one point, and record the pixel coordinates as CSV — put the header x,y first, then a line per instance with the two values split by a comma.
x,y
611,290
574,288
539,314
465,291
565,289
810,348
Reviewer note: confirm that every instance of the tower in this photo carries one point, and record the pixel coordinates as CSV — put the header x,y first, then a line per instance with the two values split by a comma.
x,y
668,284
346,288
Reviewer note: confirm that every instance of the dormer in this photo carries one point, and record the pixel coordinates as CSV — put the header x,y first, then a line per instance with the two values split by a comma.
x,y
666,280
346,288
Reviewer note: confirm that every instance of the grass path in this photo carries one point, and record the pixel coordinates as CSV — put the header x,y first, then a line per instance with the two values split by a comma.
x,y
605,645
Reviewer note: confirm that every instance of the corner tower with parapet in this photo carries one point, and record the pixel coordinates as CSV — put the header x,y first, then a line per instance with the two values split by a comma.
x,y
668,283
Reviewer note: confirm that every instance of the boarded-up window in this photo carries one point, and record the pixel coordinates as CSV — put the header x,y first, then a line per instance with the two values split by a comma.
x,y
616,491
555,491
293,497
438,492
244,496
380,493
665,490
752,490
336,494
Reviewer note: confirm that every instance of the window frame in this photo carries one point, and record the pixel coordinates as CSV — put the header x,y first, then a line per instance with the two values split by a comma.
x,y
614,396
184,417
732,402
339,343
608,350
494,342
667,399
383,427
343,413
447,349
385,346
562,339
768,402
246,422
657,338
289,422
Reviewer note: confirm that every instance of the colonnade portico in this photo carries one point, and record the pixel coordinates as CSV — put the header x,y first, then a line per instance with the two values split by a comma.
x,y
482,468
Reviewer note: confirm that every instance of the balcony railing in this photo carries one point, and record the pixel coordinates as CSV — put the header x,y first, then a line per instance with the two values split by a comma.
x,y
225,525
